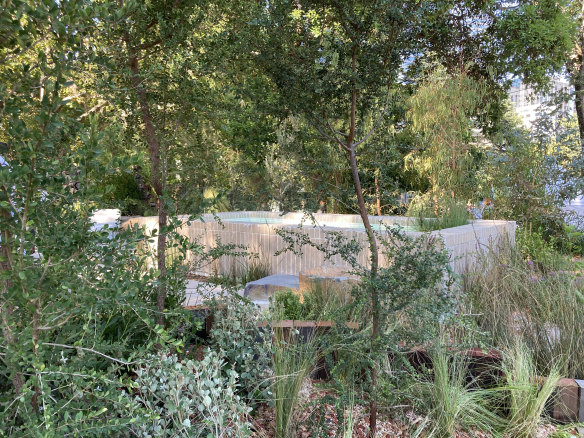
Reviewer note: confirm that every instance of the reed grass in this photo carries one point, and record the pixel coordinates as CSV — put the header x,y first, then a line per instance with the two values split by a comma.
x,y
453,400
513,298
293,360
527,393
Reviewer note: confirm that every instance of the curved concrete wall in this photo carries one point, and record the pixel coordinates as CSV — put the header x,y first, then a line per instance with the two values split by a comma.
x,y
463,242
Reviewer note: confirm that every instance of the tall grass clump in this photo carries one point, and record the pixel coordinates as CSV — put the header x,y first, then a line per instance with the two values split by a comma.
x,y
438,215
325,301
527,394
517,298
254,268
293,360
452,400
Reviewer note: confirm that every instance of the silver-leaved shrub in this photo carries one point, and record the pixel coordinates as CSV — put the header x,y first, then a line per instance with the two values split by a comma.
x,y
187,398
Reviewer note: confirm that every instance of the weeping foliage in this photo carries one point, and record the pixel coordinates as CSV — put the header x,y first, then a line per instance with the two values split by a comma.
x,y
441,113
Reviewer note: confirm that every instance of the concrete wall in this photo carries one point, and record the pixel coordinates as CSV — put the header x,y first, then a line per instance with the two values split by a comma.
x,y
463,242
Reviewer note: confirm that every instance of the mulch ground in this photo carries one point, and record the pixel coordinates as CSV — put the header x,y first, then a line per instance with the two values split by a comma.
x,y
311,409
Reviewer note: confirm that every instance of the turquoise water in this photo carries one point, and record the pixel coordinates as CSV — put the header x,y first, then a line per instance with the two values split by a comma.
x,y
281,221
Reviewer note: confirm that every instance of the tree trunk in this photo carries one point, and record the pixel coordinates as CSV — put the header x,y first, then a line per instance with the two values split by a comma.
x,y
350,147
377,193
6,307
374,293
576,69
155,175
579,99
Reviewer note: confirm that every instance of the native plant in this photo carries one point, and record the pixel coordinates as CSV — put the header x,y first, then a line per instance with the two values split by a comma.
x,y
442,113
76,303
533,173
292,361
514,297
243,345
527,393
405,300
452,400
444,214
175,398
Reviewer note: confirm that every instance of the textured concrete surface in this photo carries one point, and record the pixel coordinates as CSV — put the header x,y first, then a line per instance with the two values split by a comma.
x,y
327,277
264,240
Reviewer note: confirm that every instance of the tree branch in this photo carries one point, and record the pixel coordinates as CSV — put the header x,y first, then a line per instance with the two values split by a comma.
x,y
91,350
370,133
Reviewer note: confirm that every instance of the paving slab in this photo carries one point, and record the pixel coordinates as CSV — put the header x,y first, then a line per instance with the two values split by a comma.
x,y
261,290
197,292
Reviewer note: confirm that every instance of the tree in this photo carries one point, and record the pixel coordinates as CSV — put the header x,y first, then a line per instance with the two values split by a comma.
x,y
442,110
152,74
334,62
74,302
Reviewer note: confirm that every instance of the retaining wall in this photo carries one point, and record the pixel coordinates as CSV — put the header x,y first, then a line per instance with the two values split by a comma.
x,y
463,242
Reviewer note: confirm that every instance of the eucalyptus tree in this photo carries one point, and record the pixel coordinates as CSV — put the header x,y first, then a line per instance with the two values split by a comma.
x,y
442,112
495,41
334,62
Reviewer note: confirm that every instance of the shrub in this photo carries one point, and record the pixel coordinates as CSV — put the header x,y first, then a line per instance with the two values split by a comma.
x,y
532,173
574,243
187,398
126,194
286,304
540,250
244,347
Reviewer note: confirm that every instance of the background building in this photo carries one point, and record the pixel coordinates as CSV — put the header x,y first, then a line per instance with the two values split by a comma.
x,y
529,104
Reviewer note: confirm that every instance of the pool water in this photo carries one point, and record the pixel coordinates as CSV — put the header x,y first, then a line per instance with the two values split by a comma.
x,y
282,221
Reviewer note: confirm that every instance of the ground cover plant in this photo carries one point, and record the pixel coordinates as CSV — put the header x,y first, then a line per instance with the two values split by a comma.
x,y
175,397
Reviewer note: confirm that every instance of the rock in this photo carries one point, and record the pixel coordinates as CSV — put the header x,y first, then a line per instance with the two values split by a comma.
x,y
264,288
326,277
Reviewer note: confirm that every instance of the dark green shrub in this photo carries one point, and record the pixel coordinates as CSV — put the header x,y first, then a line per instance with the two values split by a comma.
x,y
125,194
286,304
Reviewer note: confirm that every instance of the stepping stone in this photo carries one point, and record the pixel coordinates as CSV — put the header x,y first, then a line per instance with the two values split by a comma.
x,y
261,290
